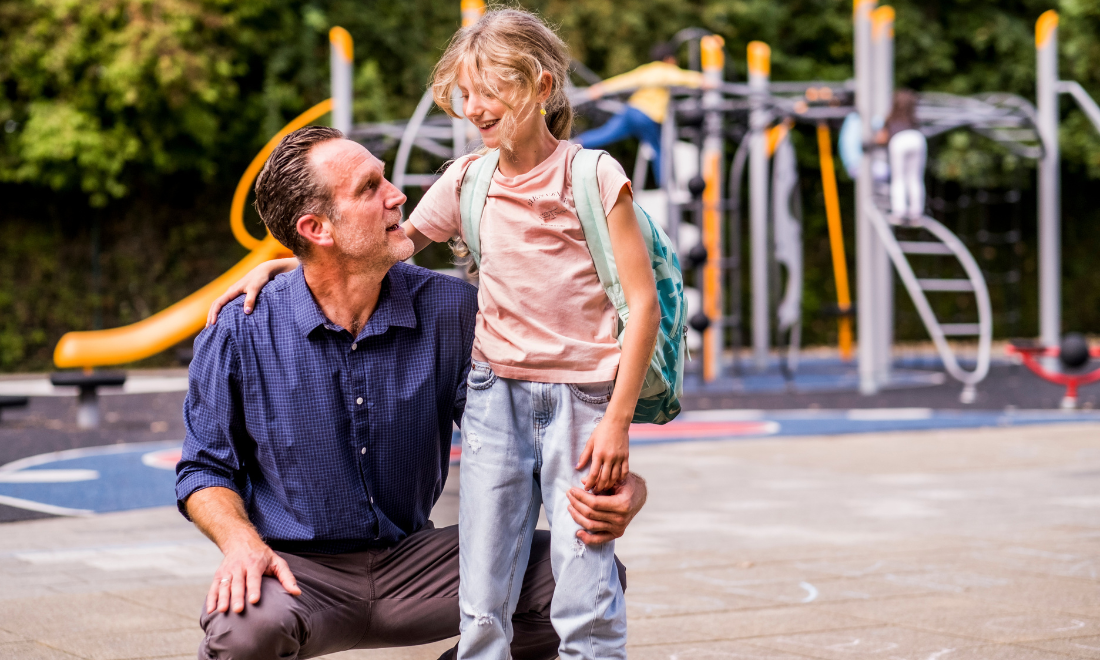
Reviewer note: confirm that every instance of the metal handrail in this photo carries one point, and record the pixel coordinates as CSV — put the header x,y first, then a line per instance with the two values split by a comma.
x,y
981,293
409,137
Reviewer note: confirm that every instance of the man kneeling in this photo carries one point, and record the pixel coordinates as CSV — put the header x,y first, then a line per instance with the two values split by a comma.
x,y
319,432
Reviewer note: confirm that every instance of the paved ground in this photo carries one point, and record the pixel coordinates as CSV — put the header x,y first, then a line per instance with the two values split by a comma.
x,y
937,545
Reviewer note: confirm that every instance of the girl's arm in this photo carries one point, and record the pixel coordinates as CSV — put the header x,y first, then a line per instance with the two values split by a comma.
x,y
257,278
250,285
420,241
609,446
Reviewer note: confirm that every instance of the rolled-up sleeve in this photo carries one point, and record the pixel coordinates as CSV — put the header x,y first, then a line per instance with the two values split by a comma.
x,y
213,416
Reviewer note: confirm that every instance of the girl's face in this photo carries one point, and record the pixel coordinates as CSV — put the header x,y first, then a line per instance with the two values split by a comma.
x,y
485,110
498,124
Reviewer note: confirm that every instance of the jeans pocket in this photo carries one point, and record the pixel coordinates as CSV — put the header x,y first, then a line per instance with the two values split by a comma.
x,y
598,393
481,376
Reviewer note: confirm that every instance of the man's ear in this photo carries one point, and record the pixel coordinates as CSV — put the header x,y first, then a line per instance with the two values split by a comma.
x,y
316,229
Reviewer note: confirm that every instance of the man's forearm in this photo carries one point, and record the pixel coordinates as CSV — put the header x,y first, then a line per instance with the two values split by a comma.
x,y
219,514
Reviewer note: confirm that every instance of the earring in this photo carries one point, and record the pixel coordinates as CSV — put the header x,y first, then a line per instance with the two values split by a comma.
x,y
542,111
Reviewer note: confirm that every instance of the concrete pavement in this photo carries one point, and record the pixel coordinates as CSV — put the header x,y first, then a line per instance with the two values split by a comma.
x,y
933,545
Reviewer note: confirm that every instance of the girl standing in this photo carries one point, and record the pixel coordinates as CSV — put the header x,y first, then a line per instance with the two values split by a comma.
x,y
550,392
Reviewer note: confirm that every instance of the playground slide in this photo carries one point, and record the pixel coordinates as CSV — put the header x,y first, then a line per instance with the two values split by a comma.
x,y
161,331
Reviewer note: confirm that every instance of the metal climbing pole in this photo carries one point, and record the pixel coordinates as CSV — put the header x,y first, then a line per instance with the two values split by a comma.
x,y
759,54
472,11
865,235
882,100
713,63
877,246
1050,193
340,57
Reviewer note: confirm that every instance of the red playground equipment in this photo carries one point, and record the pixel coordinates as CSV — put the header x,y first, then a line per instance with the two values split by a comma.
x,y
1073,353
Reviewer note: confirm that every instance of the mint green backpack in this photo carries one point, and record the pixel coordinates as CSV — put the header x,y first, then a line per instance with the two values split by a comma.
x,y
659,401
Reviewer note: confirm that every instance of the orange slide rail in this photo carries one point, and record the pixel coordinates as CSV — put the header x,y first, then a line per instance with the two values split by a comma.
x,y
165,329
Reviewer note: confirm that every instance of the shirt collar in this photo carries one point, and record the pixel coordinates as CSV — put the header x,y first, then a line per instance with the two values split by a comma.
x,y
394,307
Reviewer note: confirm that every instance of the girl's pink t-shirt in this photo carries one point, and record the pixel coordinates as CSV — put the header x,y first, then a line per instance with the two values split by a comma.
x,y
542,314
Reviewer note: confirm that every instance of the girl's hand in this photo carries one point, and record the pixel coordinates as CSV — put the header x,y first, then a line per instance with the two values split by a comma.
x,y
250,285
608,449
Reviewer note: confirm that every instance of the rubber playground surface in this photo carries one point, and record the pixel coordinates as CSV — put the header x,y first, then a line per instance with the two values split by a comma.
x,y
135,472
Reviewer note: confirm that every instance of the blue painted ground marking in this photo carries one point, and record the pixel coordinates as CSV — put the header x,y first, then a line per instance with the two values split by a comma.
x,y
92,480
136,476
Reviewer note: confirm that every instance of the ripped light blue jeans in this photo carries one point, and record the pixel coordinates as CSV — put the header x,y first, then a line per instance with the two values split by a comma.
x,y
520,445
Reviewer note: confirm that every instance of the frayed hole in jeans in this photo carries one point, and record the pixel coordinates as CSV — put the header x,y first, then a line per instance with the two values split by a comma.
x,y
579,547
483,619
473,442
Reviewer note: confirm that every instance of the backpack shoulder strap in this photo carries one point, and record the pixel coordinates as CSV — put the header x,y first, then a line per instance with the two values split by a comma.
x,y
586,198
475,188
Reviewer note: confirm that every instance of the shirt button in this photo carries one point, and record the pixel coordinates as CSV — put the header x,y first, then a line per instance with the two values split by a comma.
x,y
363,450
359,401
354,346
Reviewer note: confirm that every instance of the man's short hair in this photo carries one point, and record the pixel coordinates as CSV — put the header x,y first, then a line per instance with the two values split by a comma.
x,y
288,187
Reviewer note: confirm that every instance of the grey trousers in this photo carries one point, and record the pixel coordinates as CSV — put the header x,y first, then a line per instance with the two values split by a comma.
x,y
400,596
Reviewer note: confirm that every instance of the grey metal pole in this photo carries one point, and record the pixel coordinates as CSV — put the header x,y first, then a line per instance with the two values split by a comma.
x,y
458,124
865,235
472,11
668,144
1050,193
340,59
882,39
759,71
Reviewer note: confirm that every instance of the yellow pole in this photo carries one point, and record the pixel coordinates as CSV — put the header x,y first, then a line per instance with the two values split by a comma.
x,y
713,62
836,239
341,58
472,10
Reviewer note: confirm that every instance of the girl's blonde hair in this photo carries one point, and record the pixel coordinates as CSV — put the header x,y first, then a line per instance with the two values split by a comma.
x,y
513,47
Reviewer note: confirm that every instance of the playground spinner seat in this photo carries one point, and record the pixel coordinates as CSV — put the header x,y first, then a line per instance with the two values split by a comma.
x,y
1034,355
87,416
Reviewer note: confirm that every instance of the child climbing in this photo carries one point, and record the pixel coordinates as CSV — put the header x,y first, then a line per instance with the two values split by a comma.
x,y
645,111
908,149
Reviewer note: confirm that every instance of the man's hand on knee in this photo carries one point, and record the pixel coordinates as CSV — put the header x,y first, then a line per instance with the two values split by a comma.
x,y
219,513
605,517
241,573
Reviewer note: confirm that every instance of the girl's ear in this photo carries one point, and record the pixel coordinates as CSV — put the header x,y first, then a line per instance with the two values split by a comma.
x,y
546,85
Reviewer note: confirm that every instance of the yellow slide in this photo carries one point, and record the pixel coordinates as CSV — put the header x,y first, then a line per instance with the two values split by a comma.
x,y
169,327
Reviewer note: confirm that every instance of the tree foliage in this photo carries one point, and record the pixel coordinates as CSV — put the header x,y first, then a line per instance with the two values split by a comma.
x,y
99,94
108,104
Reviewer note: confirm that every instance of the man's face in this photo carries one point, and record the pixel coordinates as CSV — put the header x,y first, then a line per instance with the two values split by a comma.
x,y
365,230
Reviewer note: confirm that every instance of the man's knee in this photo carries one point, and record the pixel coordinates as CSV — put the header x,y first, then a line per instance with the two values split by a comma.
x,y
269,629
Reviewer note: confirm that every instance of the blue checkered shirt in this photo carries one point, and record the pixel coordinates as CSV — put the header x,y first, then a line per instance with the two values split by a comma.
x,y
335,443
